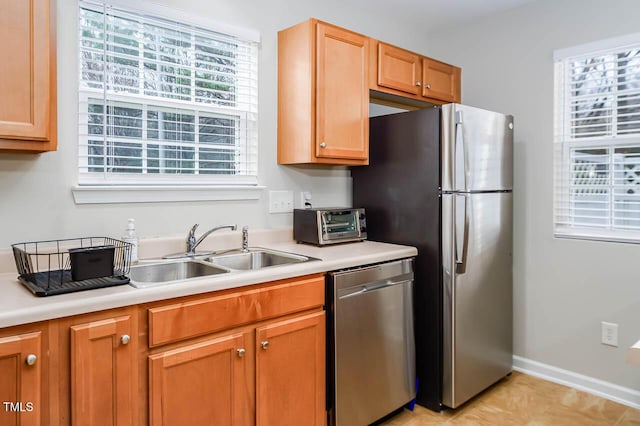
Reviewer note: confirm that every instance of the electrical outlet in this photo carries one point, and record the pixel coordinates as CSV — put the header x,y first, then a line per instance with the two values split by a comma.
x,y
280,201
609,334
305,199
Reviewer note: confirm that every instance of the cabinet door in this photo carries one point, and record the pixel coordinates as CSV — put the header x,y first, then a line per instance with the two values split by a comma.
x,y
342,94
26,71
440,80
290,372
200,384
103,373
398,69
20,380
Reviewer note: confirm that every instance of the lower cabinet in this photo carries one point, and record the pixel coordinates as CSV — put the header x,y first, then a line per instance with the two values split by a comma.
x,y
212,381
290,372
200,384
103,372
21,379
246,356
266,366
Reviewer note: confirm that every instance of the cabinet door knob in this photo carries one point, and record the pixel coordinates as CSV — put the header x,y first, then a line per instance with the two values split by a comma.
x,y
323,145
31,359
428,86
264,344
418,84
240,352
125,339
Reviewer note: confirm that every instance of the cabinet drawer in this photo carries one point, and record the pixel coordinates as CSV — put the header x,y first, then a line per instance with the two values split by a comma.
x,y
206,315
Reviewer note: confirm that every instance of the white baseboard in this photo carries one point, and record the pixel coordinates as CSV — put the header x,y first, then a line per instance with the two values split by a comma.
x,y
619,394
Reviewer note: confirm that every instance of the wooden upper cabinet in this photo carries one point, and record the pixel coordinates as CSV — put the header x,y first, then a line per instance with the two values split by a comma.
x,y
27,76
290,372
104,382
440,80
20,379
398,69
408,76
323,95
324,77
342,94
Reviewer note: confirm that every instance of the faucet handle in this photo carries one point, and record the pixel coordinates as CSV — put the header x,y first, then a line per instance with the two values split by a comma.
x,y
191,239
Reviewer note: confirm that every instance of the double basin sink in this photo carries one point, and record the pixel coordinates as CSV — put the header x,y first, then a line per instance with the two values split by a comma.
x,y
167,271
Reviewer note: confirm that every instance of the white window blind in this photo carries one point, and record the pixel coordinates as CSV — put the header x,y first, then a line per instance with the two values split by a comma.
x,y
597,141
163,101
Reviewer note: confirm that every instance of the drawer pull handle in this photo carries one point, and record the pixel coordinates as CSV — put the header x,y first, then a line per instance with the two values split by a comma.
x,y
240,352
428,86
323,145
31,359
264,344
418,84
125,339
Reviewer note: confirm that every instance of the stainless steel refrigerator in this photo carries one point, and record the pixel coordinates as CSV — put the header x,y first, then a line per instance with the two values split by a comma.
x,y
441,179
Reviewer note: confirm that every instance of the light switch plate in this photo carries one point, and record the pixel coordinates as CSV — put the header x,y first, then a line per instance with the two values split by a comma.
x,y
609,333
280,201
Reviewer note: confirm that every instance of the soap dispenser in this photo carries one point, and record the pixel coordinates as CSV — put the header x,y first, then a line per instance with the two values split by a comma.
x,y
131,237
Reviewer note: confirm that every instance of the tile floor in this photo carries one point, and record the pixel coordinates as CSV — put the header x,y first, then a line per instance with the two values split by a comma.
x,y
525,400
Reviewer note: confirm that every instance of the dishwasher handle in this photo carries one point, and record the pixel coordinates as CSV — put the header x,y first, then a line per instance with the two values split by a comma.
x,y
369,288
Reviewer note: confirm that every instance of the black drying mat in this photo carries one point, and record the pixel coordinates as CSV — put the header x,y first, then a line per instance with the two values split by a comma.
x,y
59,282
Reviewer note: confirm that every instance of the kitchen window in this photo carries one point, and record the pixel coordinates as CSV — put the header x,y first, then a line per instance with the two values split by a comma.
x,y
164,99
597,140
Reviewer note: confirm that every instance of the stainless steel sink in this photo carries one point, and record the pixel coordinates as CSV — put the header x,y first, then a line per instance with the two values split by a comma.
x,y
160,273
233,261
256,259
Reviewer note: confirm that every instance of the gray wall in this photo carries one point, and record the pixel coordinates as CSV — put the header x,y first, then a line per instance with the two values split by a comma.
x,y
563,288
35,190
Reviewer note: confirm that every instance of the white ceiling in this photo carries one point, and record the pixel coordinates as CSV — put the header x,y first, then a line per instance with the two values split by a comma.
x,y
439,13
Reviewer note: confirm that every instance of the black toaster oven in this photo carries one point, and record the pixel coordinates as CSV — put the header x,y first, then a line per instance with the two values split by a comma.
x,y
322,226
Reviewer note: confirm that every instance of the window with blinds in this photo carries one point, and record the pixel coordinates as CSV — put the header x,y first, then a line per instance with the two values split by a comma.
x,y
164,101
597,135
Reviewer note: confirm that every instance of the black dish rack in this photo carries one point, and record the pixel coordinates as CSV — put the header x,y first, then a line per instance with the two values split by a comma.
x,y
54,267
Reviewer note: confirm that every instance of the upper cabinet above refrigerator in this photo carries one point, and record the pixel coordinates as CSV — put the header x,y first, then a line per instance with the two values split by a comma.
x,y
399,72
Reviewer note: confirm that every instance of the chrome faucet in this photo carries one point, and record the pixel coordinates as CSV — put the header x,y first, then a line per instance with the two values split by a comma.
x,y
192,243
245,239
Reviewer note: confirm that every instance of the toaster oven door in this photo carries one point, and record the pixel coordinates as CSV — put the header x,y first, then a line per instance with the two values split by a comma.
x,y
340,225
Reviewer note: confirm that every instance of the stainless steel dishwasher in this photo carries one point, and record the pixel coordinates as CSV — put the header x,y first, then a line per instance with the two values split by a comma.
x,y
371,343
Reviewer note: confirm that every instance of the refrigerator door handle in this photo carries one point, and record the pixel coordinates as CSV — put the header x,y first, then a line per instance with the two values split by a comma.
x,y
461,155
461,239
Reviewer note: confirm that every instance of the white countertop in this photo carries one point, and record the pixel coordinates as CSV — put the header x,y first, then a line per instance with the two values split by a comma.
x,y
19,306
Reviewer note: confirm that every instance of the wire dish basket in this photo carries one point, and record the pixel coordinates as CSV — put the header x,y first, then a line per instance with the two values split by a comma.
x,y
64,266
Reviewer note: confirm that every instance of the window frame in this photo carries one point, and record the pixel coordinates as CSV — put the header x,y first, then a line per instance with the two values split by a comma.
x,y
118,187
565,143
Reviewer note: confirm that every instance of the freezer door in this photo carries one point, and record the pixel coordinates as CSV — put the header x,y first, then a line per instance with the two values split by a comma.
x,y
477,280
477,149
